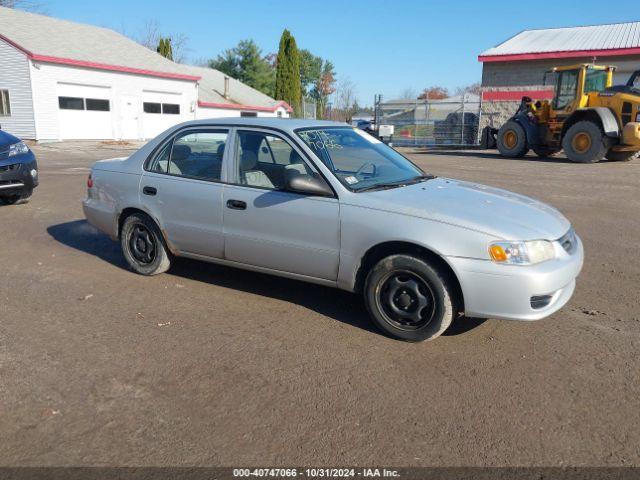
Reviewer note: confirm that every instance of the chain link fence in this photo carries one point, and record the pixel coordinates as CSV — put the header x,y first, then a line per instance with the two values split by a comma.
x,y
451,121
308,109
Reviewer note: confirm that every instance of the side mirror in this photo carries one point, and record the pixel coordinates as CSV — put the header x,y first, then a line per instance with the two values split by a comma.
x,y
296,182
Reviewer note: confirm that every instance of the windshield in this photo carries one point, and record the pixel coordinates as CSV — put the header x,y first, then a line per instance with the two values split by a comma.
x,y
596,81
359,160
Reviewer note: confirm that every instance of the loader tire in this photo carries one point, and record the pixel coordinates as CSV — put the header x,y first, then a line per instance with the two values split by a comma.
x,y
512,140
622,156
585,142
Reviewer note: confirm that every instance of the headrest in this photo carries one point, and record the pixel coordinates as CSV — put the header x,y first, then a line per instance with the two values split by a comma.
x,y
220,151
248,161
180,153
294,157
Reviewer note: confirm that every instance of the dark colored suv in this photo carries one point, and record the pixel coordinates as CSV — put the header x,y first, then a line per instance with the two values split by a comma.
x,y
18,170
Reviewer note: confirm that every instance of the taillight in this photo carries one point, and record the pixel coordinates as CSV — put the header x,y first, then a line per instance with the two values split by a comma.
x,y
89,181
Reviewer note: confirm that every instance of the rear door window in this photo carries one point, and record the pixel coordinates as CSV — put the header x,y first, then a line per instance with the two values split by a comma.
x,y
194,154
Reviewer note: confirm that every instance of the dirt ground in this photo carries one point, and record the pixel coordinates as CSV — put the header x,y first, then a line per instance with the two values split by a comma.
x,y
208,365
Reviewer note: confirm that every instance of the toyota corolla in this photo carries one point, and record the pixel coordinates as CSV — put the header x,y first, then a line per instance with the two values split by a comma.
x,y
326,203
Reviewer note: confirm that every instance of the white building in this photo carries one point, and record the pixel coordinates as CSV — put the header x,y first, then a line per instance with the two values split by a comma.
x,y
61,80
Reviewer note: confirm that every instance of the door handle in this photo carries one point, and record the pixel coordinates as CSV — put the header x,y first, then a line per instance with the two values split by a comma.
x,y
236,205
149,190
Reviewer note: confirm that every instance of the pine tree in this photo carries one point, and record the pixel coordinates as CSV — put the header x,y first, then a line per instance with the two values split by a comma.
x,y
288,86
164,48
245,62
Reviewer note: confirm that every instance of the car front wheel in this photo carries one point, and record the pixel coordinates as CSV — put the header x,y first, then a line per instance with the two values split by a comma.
x,y
409,299
13,199
143,246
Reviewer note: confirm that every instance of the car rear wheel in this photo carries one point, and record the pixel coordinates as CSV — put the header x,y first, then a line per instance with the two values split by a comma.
x,y
17,198
143,246
512,140
585,142
409,299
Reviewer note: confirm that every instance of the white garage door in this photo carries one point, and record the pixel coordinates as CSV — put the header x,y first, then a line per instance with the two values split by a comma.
x,y
161,110
85,112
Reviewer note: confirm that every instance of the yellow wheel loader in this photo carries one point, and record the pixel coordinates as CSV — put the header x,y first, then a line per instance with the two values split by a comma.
x,y
588,118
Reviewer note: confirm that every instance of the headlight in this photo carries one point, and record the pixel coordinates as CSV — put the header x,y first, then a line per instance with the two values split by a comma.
x,y
522,253
17,149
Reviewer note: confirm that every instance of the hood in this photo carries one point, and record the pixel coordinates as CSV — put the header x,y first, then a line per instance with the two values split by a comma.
x,y
494,211
7,139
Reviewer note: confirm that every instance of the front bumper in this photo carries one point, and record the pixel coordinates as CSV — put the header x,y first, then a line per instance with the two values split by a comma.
x,y
507,292
16,174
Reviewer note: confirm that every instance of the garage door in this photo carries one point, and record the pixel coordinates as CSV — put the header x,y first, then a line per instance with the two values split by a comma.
x,y
85,112
161,110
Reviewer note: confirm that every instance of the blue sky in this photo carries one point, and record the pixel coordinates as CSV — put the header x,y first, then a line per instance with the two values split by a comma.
x,y
381,46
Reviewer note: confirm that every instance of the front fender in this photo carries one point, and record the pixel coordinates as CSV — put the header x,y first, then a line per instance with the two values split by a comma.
x,y
530,128
363,228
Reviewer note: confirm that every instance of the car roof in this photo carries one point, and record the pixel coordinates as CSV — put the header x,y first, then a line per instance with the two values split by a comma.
x,y
286,124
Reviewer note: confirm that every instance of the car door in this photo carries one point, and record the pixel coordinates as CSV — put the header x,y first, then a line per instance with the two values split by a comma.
x,y
267,226
183,189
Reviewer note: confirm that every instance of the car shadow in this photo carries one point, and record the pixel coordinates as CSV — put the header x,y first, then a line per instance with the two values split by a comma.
x,y
336,304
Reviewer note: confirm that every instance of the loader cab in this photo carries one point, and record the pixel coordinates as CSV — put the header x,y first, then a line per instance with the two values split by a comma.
x,y
572,84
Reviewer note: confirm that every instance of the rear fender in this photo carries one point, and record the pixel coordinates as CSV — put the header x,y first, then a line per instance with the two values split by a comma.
x,y
601,115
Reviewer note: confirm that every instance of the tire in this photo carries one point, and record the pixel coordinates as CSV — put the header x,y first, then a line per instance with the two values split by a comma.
x,y
621,156
585,142
18,198
409,299
512,140
545,152
143,246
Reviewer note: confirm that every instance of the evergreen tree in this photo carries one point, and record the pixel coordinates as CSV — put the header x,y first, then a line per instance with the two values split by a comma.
x,y
245,62
288,86
164,48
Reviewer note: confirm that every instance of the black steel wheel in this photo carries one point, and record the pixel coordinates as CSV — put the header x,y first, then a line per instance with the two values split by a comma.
x,y
410,298
143,246
406,300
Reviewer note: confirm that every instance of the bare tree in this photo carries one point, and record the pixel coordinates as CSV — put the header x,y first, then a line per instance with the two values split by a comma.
x,y
345,100
150,36
409,93
33,6
474,89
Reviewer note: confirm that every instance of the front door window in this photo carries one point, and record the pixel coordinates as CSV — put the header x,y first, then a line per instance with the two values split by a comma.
x,y
265,161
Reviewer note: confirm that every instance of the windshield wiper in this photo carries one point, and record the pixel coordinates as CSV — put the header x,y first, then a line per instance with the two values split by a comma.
x,y
399,183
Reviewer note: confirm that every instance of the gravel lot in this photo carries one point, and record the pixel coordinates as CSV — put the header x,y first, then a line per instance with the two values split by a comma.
x,y
208,365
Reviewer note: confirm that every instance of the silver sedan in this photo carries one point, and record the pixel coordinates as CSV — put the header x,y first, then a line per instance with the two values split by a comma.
x,y
326,203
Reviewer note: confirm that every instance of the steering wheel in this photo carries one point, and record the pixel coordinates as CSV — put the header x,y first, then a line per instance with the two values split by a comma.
x,y
362,167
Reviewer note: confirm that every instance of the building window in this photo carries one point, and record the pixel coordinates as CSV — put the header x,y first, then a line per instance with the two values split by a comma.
x,y
151,107
97,104
248,114
5,105
279,113
171,108
71,103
